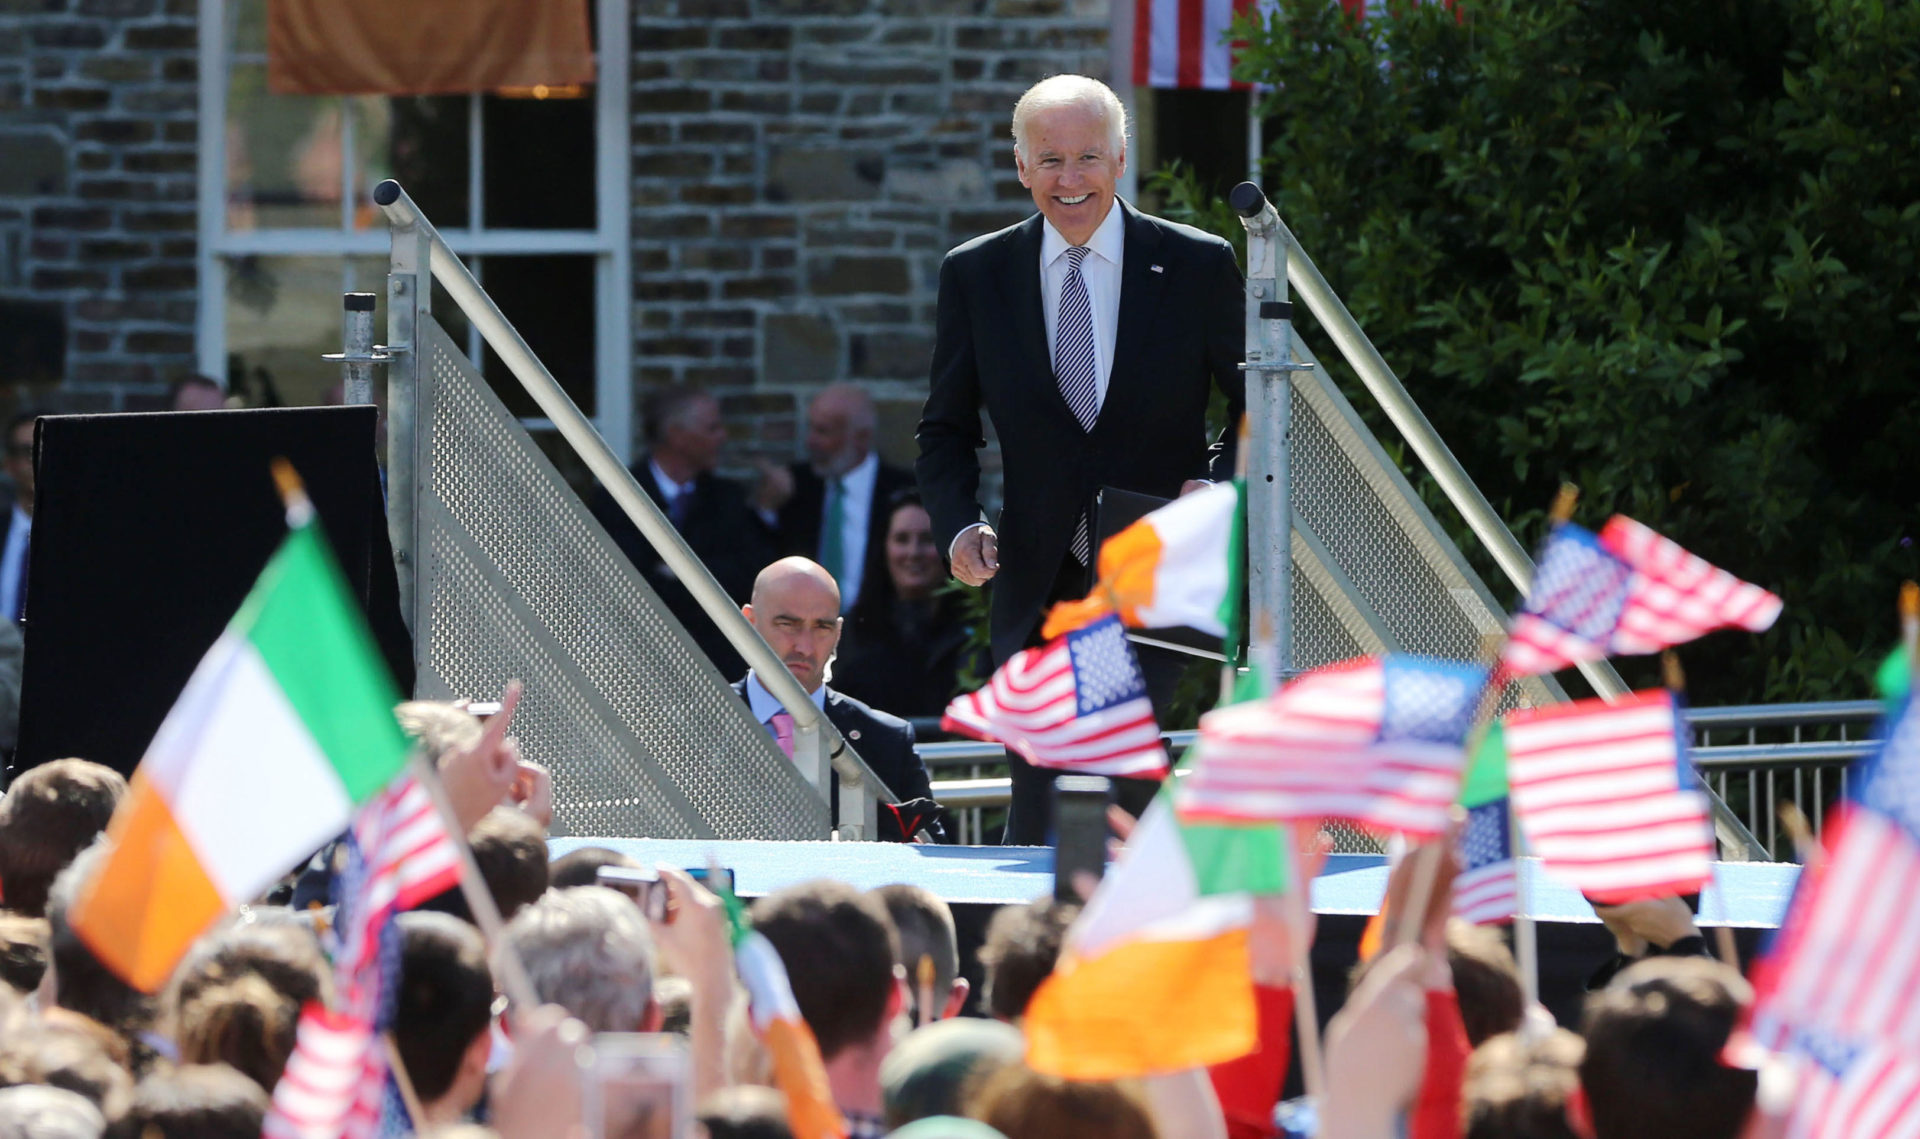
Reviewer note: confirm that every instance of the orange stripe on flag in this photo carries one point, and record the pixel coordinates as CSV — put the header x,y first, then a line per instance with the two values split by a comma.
x,y
151,898
1129,564
811,1113
1145,1007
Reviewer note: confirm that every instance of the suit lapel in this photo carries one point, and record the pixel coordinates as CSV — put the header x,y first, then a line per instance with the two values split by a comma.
x,y
1020,279
1140,287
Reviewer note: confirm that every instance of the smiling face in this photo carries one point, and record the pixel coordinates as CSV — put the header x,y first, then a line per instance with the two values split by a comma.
x,y
913,561
1071,164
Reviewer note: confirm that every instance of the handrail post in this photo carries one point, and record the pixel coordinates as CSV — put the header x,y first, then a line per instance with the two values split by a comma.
x,y
408,287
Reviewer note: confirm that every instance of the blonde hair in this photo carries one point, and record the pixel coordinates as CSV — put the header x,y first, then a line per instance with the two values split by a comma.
x,y
1071,91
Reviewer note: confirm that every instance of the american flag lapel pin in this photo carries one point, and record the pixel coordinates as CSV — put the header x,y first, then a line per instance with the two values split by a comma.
x,y
1156,268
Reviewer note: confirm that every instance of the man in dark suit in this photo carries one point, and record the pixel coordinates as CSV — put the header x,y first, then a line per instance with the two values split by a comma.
x,y
684,435
842,481
1092,334
796,607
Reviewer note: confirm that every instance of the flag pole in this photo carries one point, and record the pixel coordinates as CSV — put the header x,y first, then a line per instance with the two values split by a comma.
x,y
511,970
416,1114
1675,680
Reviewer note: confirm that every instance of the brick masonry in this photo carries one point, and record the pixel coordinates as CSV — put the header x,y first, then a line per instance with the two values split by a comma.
x,y
98,138
799,169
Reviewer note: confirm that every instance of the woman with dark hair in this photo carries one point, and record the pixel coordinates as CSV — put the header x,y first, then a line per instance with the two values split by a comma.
x,y
904,643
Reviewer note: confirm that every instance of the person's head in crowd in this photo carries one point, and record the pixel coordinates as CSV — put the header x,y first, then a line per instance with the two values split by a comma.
x,y
78,981
840,951
683,430
914,566
840,427
588,950
441,727
1023,942
674,995
582,867
744,1112
1522,1088
1654,1037
196,393
49,815
23,951
796,607
20,458
34,1111
236,997
925,928
934,1070
1021,1103
945,1127
1485,979
73,1058
443,1012
193,1101
511,851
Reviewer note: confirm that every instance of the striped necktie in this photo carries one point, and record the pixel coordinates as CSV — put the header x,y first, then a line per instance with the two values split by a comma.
x,y
1077,365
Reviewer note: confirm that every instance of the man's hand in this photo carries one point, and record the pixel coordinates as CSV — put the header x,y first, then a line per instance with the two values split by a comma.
x,y
478,778
538,1094
695,943
774,487
976,556
1650,921
533,792
1377,1048
1191,485
1273,944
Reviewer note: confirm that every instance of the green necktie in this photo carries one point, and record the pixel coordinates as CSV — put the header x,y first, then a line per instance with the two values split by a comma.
x,y
832,544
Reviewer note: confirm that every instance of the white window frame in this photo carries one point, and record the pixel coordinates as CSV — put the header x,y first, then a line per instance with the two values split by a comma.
x,y
609,242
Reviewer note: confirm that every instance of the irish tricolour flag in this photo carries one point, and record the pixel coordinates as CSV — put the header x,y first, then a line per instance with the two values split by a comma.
x,y
1155,975
285,726
1171,568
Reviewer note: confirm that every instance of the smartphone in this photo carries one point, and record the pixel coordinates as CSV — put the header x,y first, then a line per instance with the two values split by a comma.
x,y
636,1085
643,886
1080,830
719,879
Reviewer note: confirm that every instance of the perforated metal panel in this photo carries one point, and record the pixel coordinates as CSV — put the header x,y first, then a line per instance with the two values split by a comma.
x,y
517,579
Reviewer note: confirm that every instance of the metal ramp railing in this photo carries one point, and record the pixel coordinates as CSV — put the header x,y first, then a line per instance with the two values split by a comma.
x,y
505,574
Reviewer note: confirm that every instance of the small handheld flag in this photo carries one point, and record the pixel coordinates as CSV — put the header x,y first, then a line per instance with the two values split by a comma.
x,y
1486,889
1624,592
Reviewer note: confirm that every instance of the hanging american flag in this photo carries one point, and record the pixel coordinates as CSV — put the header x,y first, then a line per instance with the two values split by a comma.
x,y
1376,740
1623,592
1607,799
337,1084
1182,43
1847,959
1853,1091
1077,703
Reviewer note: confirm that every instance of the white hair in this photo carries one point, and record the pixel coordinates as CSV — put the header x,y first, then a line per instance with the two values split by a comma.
x,y
1071,91
589,951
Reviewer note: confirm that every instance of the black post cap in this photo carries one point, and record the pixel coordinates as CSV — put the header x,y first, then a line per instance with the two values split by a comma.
x,y
359,302
1247,200
386,193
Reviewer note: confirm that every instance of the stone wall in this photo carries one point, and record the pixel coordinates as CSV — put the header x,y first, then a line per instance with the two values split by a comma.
x,y
799,169
97,155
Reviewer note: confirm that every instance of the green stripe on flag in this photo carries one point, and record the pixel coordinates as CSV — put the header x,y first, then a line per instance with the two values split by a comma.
x,y
308,629
1236,858
1486,778
1894,677
1233,609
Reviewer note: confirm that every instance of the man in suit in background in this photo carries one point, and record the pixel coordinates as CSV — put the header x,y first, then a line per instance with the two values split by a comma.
x,y
832,507
1092,334
684,435
796,607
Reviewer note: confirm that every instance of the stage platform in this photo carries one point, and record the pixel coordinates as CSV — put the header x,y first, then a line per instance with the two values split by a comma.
x,y
1745,895
1749,897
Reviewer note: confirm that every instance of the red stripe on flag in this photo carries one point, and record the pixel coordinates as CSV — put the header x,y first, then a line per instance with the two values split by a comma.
x,y
1142,42
1192,41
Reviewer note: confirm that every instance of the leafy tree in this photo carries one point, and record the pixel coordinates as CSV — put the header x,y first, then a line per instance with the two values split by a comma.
x,y
1664,251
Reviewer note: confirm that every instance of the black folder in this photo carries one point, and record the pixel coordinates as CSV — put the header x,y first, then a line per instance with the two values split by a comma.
x,y
1114,510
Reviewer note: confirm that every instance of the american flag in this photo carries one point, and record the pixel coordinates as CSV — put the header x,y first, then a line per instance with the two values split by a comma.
x,y
1847,960
1852,1090
1077,703
1182,44
337,1084
1607,799
1376,740
1624,592
1486,889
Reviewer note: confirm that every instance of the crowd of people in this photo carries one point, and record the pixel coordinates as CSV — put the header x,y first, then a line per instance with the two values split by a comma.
x,y
1435,1038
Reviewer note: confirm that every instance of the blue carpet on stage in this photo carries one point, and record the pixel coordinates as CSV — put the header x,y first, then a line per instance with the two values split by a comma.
x,y
1744,894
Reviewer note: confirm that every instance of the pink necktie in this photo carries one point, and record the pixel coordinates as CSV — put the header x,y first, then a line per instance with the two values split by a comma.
x,y
783,732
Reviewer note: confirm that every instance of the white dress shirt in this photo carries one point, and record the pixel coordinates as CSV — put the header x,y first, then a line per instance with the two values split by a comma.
x,y
856,510
1100,269
12,562
670,491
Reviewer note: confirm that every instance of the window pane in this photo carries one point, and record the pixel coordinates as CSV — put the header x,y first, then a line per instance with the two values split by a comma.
x,y
283,312
550,301
421,141
539,169
283,155
247,26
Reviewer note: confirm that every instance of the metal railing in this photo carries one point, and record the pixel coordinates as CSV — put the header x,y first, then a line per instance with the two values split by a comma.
x,y
820,753
1753,775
